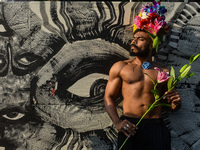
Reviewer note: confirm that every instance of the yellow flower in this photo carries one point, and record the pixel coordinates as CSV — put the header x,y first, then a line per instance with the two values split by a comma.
x,y
134,28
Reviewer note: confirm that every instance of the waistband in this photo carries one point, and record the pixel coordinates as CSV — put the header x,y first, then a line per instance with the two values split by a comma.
x,y
144,121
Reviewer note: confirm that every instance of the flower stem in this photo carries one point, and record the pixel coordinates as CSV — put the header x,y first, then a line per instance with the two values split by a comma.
x,y
141,120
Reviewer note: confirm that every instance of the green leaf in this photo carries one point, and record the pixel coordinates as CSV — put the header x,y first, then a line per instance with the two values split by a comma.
x,y
183,68
156,96
151,35
155,91
152,106
172,72
155,42
169,83
195,57
179,79
185,72
189,75
191,59
163,104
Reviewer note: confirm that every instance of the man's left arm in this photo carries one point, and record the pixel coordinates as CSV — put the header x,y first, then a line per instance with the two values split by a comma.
x,y
173,98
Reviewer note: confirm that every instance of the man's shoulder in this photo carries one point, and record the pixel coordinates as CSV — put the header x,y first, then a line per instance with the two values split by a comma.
x,y
120,64
124,62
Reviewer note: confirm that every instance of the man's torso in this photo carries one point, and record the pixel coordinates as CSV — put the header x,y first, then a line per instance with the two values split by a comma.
x,y
136,90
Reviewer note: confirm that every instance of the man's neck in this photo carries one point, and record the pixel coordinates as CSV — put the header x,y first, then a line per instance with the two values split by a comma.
x,y
141,60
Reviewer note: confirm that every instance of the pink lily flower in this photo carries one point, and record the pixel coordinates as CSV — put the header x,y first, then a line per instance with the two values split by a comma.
x,y
137,21
154,28
162,76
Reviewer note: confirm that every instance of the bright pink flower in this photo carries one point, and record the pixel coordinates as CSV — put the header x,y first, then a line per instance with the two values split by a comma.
x,y
162,76
137,22
154,28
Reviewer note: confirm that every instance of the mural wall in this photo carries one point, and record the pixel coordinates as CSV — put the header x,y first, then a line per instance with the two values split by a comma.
x,y
54,64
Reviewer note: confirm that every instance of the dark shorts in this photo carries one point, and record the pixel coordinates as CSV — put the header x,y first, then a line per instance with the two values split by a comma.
x,y
152,134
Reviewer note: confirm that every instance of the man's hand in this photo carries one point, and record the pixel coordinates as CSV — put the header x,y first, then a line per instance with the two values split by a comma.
x,y
126,127
173,98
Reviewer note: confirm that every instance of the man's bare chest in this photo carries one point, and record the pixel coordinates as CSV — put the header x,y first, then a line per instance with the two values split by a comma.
x,y
134,74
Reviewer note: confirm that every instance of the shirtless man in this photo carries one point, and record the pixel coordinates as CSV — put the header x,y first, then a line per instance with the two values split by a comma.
x,y
128,76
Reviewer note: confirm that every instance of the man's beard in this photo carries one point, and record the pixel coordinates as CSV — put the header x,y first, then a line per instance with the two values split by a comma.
x,y
142,53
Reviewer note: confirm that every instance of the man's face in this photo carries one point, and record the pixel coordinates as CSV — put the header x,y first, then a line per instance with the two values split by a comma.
x,y
140,45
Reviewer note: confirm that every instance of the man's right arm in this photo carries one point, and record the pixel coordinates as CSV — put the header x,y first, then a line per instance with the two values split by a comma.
x,y
112,89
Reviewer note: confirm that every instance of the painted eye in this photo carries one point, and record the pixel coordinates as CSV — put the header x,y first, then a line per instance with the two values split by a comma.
x,y
27,59
89,85
24,60
13,116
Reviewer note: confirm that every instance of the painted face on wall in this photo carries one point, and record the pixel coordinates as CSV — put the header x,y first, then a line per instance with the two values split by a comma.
x,y
72,90
20,58
55,95
18,64
41,103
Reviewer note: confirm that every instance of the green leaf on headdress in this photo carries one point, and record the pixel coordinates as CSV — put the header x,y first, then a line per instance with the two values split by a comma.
x,y
155,41
151,35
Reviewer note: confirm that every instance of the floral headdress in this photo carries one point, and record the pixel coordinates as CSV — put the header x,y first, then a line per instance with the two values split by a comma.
x,y
152,20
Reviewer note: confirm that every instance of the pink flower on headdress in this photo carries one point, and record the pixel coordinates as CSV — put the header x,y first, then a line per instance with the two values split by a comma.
x,y
137,22
154,28
162,76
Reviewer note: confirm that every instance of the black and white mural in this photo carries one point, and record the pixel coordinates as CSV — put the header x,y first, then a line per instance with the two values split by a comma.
x,y
54,63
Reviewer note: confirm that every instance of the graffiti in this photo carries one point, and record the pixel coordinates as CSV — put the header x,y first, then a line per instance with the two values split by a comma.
x,y
54,63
